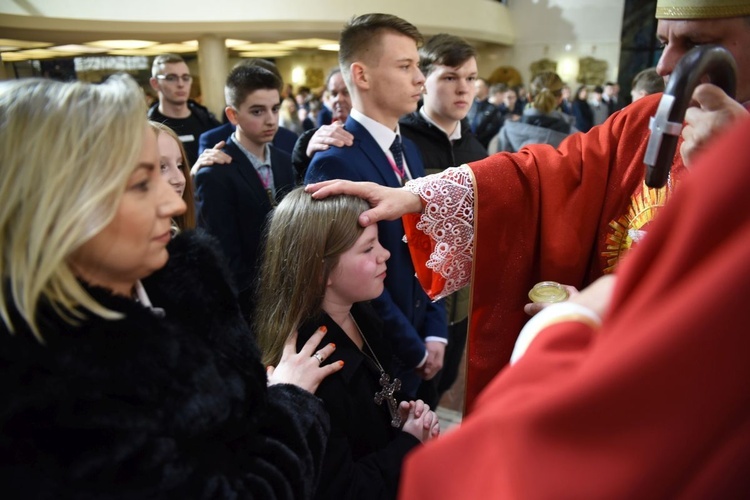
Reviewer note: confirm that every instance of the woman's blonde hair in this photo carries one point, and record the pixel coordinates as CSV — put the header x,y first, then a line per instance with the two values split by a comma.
x,y
304,240
67,151
186,220
546,91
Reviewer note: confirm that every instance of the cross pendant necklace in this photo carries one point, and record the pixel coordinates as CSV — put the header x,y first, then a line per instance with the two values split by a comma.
x,y
388,388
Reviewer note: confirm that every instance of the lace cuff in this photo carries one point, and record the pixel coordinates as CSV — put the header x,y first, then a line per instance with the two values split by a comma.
x,y
448,219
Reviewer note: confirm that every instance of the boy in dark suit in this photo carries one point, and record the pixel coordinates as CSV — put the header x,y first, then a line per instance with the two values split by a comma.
x,y
380,64
232,200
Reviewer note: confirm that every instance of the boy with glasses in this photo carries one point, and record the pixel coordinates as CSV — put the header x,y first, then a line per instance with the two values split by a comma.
x,y
171,79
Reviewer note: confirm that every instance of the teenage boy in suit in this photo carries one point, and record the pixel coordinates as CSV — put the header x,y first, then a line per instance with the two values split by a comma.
x,y
380,62
232,200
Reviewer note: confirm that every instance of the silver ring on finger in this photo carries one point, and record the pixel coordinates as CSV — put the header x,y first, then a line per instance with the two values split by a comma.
x,y
319,357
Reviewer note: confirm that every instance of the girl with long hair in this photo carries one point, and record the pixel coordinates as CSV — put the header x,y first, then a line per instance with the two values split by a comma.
x,y
320,268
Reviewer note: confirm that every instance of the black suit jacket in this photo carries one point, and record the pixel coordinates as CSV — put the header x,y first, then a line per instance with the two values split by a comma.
x,y
232,204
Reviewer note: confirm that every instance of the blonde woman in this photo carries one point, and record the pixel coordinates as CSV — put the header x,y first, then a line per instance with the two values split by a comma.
x,y
542,122
128,370
321,268
175,168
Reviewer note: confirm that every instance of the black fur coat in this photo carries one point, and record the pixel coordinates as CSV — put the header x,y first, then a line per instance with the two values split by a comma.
x,y
146,407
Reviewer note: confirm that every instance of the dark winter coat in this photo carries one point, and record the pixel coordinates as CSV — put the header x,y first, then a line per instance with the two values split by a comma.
x,y
438,152
152,407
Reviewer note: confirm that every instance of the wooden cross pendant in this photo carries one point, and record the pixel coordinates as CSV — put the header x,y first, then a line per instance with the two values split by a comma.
x,y
386,394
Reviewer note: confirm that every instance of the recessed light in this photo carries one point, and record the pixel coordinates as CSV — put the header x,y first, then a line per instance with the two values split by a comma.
x,y
252,47
122,44
23,55
10,44
77,49
307,43
265,53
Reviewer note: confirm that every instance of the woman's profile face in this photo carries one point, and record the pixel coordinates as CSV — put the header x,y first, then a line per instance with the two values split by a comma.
x,y
133,245
171,162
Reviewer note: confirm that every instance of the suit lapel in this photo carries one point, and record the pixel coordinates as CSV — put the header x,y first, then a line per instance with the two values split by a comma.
x,y
283,175
413,159
247,172
378,159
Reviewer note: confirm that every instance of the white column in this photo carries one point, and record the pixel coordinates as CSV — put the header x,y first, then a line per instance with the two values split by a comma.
x,y
212,64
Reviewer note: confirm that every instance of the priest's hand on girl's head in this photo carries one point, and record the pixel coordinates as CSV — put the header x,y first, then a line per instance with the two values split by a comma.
x,y
387,203
307,368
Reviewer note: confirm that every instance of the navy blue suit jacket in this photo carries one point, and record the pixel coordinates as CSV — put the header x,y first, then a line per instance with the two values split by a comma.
x,y
409,315
283,140
232,204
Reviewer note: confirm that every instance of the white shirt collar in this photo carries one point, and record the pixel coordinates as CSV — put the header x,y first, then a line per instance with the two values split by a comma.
x,y
382,134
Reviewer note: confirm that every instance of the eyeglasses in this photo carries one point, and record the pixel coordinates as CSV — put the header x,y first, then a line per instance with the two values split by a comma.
x,y
172,78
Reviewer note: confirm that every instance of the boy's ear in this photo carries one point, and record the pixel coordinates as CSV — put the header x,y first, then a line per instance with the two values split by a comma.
x,y
359,75
231,114
154,84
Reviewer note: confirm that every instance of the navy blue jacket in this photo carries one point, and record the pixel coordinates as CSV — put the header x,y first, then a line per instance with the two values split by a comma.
x,y
232,204
408,314
283,140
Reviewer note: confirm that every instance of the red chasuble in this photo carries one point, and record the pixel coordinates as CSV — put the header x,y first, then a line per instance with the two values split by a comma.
x,y
541,214
654,404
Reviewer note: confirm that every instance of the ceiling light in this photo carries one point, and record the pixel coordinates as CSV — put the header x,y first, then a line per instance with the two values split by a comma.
x,y
76,49
307,43
230,43
262,47
173,48
265,53
333,47
122,44
23,55
133,52
233,42
10,44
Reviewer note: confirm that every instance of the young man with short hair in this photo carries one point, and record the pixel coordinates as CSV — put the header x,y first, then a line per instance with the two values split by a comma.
x,y
380,63
441,131
171,79
232,200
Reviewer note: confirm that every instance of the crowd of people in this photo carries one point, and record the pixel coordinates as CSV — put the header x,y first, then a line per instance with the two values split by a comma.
x,y
181,318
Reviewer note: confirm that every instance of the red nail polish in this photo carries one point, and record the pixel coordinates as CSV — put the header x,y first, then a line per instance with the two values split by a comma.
x,y
324,328
333,345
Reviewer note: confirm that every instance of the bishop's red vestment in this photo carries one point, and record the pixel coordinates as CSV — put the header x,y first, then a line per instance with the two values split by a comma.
x,y
541,214
656,402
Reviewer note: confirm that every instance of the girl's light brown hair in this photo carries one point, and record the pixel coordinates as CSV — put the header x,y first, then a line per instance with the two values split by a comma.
x,y
304,241
546,91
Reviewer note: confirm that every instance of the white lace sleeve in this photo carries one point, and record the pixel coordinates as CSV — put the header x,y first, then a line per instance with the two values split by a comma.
x,y
448,219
